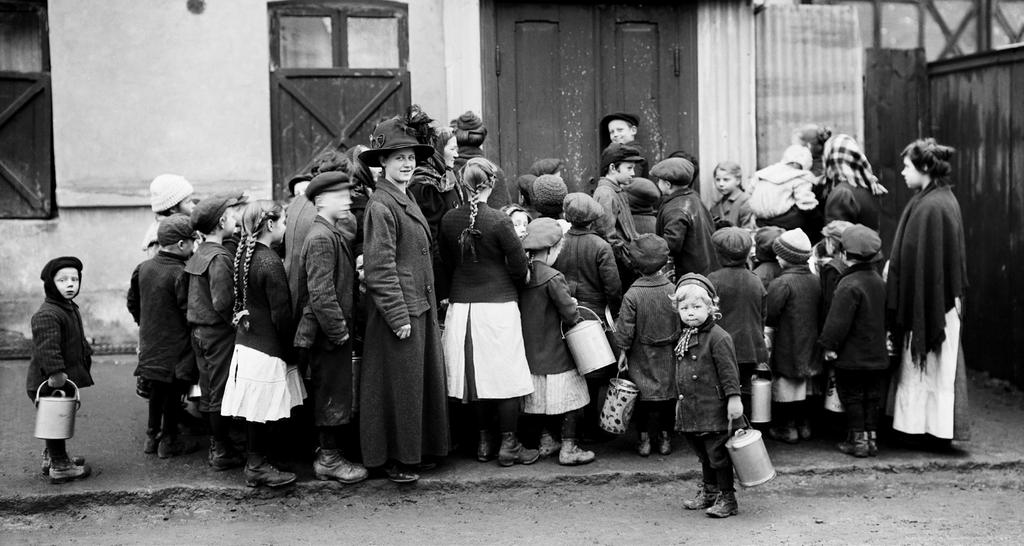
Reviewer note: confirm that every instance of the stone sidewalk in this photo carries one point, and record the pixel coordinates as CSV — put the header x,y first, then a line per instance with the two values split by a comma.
x,y
111,428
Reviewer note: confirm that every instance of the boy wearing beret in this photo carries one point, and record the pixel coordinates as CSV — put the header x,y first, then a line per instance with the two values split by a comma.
x,y
211,300
741,302
683,220
853,338
158,301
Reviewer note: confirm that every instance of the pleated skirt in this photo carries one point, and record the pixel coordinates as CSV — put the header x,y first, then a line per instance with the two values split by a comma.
x,y
261,387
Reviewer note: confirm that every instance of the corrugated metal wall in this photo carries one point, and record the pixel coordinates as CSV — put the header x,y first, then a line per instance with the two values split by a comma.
x,y
977,108
810,69
725,46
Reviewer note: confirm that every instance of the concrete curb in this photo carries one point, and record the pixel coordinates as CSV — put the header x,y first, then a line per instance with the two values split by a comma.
x,y
11,505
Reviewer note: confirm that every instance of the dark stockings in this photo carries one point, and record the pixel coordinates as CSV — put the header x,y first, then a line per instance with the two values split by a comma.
x,y
655,416
507,411
164,404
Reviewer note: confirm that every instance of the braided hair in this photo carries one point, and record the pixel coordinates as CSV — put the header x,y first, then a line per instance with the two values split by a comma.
x,y
255,218
478,176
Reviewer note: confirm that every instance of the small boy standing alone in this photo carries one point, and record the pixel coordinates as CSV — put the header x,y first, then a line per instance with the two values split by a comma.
x,y
646,333
60,354
854,339
211,303
158,300
791,333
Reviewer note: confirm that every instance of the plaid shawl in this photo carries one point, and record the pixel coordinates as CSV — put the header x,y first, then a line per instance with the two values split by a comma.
x,y
845,162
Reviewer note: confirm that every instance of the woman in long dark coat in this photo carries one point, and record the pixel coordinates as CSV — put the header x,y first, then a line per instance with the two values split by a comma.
x,y
925,287
403,404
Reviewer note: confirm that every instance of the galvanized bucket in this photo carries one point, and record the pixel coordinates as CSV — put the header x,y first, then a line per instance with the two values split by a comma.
x,y
749,457
589,345
55,414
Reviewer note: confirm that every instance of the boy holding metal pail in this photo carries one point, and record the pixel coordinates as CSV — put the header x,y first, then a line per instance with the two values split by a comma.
x,y
61,360
707,379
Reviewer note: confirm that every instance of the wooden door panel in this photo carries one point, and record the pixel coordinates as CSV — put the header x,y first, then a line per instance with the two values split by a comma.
x,y
26,166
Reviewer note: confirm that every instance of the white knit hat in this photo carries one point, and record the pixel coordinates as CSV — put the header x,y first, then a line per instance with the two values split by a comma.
x,y
168,190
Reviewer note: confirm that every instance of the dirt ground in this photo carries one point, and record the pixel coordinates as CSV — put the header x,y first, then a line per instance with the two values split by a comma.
x,y
943,507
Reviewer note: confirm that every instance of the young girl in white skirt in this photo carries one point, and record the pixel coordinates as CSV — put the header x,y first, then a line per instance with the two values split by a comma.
x,y
261,386
559,391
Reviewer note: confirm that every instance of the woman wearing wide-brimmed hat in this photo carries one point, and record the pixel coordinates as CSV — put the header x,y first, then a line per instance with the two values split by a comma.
x,y
403,405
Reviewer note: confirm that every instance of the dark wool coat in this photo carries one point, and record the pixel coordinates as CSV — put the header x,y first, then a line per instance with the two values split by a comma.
x,y
158,301
855,326
211,286
616,224
829,275
499,269
854,204
299,217
544,305
706,376
271,324
648,329
645,222
588,263
741,302
403,403
792,309
686,225
928,268
767,272
735,209
58,344
327,269
425,188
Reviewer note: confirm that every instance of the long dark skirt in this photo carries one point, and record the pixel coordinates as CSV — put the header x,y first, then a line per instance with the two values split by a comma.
x,y
403,403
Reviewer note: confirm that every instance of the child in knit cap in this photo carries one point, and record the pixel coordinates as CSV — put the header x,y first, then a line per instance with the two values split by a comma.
x,y
707,380
644,197
791,333
741,301
168,194
559,391
766,264
645,333
854,339
548,192
157,300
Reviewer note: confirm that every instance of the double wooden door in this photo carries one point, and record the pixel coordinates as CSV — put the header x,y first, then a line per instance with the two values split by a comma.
x,y
558,68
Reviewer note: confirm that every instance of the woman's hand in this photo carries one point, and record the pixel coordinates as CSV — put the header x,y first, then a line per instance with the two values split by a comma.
x,y
734,408
403,332
831,355
57,380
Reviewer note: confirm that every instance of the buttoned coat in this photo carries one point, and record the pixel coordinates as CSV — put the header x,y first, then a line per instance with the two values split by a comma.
x,y
686,225
58,345
792,310
403,403
588,263
157,300
648,329
706,376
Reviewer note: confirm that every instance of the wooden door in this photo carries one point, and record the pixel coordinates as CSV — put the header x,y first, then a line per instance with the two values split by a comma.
x,y
557,68
336,69
26,114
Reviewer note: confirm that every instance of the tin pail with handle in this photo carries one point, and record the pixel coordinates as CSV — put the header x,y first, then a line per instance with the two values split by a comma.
x,y
618,405
749,457
55,414
589,345
760,400
832,401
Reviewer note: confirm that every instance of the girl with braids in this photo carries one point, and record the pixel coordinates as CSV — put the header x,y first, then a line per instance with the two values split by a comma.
x,y
925,289
261,386
483,339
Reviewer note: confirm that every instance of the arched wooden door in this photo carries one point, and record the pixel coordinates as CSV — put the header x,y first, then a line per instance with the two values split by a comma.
x,y
336,68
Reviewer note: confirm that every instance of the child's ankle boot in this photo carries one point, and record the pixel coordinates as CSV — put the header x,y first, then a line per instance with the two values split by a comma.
x,y
705,497
665,443
725,506
152,441
513,452
856,445
548,445
63,470
872,443
643,447
571,454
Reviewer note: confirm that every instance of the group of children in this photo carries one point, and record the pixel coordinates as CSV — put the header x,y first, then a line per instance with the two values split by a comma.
x,y
694,314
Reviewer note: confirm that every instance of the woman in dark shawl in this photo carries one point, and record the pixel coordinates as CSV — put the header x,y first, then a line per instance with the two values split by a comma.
x,y
926,280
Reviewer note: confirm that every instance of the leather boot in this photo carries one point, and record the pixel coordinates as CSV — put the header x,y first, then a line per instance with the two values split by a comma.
x,y
571,454
223,457
259,471
725,506
548,445
704,498
484,448
45,465
857,445
513,452
63,470
330,465
665,443
172,446
872,443
152,441
643,447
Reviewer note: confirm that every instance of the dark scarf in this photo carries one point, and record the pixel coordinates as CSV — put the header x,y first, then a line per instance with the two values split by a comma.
x,y
433,172
928,269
